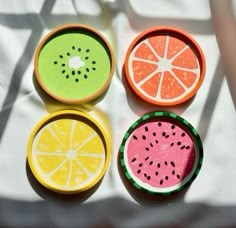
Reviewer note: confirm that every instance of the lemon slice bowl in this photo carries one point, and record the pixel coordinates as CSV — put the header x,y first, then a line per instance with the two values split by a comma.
x,y
68,152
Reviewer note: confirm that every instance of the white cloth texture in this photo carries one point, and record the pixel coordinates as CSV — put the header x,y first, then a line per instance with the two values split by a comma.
x,y
211,198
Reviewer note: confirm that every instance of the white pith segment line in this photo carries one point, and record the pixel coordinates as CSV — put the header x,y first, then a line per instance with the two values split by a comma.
x,y
55,136
145,60
90,137
56,169
50,153
85,170
69,174
158,93
94,155
196,70
72,132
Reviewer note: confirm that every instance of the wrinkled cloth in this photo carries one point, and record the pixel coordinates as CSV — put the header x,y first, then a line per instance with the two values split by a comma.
x,y
209,201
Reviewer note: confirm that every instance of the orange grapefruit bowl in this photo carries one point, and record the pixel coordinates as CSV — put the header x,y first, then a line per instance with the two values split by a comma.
x,y
164,66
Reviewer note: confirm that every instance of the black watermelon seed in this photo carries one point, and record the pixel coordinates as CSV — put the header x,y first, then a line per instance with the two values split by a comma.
x,y
73,47
165,162
154,133
135,137
178,176
156,173
133,160
79,49
146,128
156,141
55,62
182,147
172,163
161,182
78,72
173,133
86,57
163,134
146,158
172,144
87,69
167,136
151,144
148,177
145,174
93,62
159,124
68,53
166,177
173,172
151,162
172,126
63,71
140,164
61,56
178,143
158,165
85,76
94,68
67,76
187,147
144,137
87,50
63,64
139,171
147,148
76,79
183,134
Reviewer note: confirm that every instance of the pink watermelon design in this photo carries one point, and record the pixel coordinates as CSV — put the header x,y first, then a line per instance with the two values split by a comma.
x,y
161,153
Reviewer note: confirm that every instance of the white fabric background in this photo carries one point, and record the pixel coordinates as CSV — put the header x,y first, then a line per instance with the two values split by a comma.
x,y
211,112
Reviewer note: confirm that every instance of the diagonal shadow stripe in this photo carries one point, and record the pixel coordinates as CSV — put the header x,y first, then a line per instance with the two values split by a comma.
x,y
211,100
22,65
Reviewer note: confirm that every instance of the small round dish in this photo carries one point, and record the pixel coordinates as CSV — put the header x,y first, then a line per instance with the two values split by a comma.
x,y
164,66
161,153
74,64
68,152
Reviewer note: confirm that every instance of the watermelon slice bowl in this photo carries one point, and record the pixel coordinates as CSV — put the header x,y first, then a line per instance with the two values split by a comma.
x,y
161,154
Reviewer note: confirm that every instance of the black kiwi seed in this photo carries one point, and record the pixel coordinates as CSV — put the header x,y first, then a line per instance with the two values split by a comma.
x,y
79,49
61,56
93,62
73,72
55,62
63,64
87,50
85,76
87,69
73,47
63,71
78,72
67,76
76,79
94,68
86,57
68,53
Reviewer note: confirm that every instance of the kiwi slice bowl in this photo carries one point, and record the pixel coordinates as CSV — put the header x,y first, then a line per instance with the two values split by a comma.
x,y
74,64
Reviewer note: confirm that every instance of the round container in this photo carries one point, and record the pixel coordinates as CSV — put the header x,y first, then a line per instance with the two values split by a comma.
x,y
68,152
74,64
161,153
164,66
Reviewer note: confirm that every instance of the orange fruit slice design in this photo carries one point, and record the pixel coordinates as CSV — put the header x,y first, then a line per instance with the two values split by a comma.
x,y
164,69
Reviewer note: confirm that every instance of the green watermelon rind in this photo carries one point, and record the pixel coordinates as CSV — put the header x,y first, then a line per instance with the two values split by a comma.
x,y
189,127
